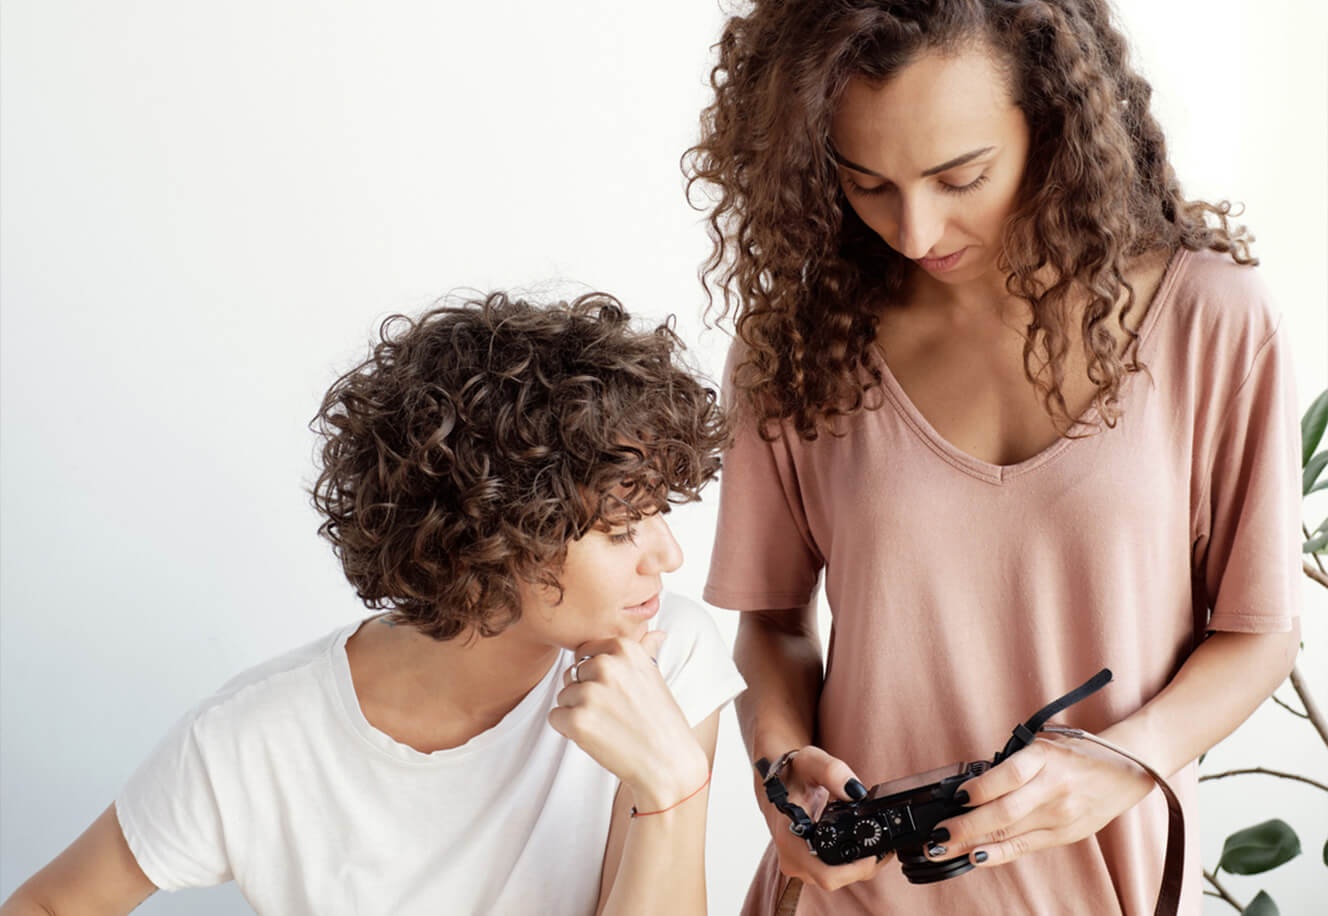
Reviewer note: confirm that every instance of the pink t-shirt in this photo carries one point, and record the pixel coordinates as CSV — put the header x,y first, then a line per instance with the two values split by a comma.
x,y
966,595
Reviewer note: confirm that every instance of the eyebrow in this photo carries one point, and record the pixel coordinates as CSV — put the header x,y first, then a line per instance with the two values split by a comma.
x,y
934,170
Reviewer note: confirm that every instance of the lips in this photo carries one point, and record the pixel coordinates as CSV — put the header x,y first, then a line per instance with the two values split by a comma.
x,y
942,264
645,610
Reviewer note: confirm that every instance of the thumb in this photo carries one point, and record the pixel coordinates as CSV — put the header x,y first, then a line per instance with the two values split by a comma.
x,y
652,641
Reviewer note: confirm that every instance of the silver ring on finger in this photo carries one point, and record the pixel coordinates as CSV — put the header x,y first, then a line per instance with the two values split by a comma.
x,y
576,668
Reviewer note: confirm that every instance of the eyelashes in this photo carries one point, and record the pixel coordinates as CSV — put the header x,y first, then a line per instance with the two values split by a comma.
x,y
947,188
965,188
623,537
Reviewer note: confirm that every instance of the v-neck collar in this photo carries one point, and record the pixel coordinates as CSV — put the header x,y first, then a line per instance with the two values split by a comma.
x,y
1087,421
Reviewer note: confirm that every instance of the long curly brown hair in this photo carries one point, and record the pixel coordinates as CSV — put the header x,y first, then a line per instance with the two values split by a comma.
x,y
475,442
805,278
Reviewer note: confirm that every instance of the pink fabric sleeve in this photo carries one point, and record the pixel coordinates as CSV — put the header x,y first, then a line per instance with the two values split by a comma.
x,y
764,556
1247,538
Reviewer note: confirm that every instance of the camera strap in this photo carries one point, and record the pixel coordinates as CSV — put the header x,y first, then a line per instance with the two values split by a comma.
x,y
1173,862
1024,734
777,794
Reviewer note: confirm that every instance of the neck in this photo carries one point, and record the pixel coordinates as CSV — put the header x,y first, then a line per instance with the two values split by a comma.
x,y
433,695
982,298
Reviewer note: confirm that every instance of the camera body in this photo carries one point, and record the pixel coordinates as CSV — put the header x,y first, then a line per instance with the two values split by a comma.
x,y
897,816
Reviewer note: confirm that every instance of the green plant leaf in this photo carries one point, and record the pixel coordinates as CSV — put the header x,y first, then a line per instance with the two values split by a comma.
x,y
1313,468
1312,426
1318,539
1260,848
1261,905
1321,485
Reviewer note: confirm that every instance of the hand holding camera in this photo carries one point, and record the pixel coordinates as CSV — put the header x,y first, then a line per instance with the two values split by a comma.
x,y
1056,794
810,776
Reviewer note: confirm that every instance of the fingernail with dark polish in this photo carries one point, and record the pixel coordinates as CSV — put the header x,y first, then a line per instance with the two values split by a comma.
x,y
855,790
935,851
979,857
939,835
961,797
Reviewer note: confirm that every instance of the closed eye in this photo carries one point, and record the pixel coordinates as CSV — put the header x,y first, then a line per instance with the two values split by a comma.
x,y
864,191
965,188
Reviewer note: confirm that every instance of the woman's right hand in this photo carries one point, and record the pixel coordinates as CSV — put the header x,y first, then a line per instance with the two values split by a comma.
x,y
812,777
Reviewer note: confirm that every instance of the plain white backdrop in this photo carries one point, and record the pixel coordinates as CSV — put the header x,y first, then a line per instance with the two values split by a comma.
x,y
205,209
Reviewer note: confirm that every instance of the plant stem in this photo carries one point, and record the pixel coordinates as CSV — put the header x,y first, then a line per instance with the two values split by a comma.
x,y
1317,575
1253,770
1222,891
1288,707
1312,711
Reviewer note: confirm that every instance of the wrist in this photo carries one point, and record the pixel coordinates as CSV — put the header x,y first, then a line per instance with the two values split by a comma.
x,y
672,780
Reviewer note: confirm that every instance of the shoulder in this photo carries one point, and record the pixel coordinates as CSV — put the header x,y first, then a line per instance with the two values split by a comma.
x,y
1226,304
272,693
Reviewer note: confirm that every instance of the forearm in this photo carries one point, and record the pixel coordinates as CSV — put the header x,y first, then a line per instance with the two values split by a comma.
x,y
1222,682
779,655
662,870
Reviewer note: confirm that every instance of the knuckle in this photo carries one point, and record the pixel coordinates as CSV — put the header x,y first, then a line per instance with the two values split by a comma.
x,y
1067,809
1026,765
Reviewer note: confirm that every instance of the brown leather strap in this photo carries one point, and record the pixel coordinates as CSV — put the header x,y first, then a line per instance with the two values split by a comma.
x,y
1173,864
787,904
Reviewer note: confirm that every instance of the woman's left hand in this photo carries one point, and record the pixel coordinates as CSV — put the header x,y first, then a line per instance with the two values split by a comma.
x,y
619,710
1054,792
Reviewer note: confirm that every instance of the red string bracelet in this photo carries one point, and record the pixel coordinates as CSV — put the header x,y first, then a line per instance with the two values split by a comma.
x,y
698,791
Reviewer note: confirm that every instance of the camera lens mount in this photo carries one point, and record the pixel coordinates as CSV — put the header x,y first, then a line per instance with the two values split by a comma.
x,y
918,869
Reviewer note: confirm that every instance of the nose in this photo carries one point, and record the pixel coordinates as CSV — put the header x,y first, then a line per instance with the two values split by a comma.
x,y
920,226
661,553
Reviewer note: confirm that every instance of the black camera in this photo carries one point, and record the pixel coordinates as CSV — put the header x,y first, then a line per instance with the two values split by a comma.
x,y
899,816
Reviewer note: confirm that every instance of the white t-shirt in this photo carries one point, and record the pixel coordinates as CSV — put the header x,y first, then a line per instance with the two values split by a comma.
x,y
279,782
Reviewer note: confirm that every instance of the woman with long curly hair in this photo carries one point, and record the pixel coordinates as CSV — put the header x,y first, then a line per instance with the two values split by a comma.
x,y
513,734
1025,412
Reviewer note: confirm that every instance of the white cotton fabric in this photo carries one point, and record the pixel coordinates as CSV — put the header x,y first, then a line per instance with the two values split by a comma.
x,y
279,782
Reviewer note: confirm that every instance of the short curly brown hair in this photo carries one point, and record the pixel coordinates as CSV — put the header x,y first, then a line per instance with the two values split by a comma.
x,y
807,278
475,442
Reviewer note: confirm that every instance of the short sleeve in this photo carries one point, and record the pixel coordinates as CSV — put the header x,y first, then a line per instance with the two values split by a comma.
x,y
764,556
169,815
695,662
1247,548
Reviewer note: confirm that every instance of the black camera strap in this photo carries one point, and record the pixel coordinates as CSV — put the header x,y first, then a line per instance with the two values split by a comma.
x,y
777,794
1024,734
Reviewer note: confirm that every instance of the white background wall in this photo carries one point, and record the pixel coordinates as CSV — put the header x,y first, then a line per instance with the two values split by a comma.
x,y
206,208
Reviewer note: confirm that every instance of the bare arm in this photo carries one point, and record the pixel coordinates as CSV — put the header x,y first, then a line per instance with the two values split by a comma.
x,y
617,708
97,875
779,655
1057,792
656,864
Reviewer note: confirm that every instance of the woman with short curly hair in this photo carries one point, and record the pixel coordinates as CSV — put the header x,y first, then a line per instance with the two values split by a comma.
x,y
513,734
1022,404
